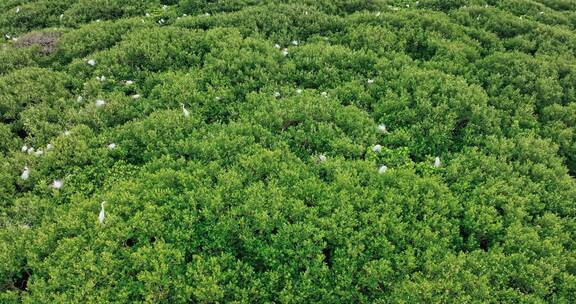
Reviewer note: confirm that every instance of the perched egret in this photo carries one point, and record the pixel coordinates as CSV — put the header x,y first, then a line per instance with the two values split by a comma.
x,y
285,51
295,42
382,128
277,94
111,146
101,78
24,148
164,7
324,94
378,14
17,10
369,81
61,16
135,96
299,91
217,98
186,113
57,184
49,147
38,152
25,173
161,21
382,169
100,103
322,158
102,215
67,133
277,46
91,62
377,148
129,82
206,14
79,98
30,150
437,162
147,15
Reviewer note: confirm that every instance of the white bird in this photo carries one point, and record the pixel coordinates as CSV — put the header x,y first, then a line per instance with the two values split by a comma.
x,y
7,36
277,46
277,94
79,98
147,15
299,91
30,150
377,148
57,184
101,78
161,21
100,103
382,128
49,147
322,157
206,14
370,81
295,42
67,133
186,112
25,173
24,148
437,162
164,7
38,152
129,82
102,215
136,96
91,62
217,98
378,14
324,94
285,51
17,10
61,16
382,169
111,146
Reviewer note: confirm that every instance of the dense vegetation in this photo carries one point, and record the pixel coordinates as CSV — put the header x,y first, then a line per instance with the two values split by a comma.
x,y
270,188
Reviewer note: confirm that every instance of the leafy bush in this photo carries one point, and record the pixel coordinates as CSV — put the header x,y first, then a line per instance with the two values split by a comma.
x,y
300,151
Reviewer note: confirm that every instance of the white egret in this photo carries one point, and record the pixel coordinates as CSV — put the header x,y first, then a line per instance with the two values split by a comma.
x,y
299,91
277,46
61,16
285,51
67,133
111,146
38,152
369,81
79,98
147,15
129,82
277,94
135,96
161,21
57,184
17,10
30,150
437,162
186,112
100,103
91,62
382,169
206,14
25,173
382,128
324,94
101,78
377,148
49,147
102,214
24,148
322,158
295,42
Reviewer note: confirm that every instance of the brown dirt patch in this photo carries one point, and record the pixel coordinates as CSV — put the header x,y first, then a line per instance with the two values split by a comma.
x,y
47,41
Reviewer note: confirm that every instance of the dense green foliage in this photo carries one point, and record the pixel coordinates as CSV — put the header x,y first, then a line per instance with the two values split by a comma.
x,y
269,191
